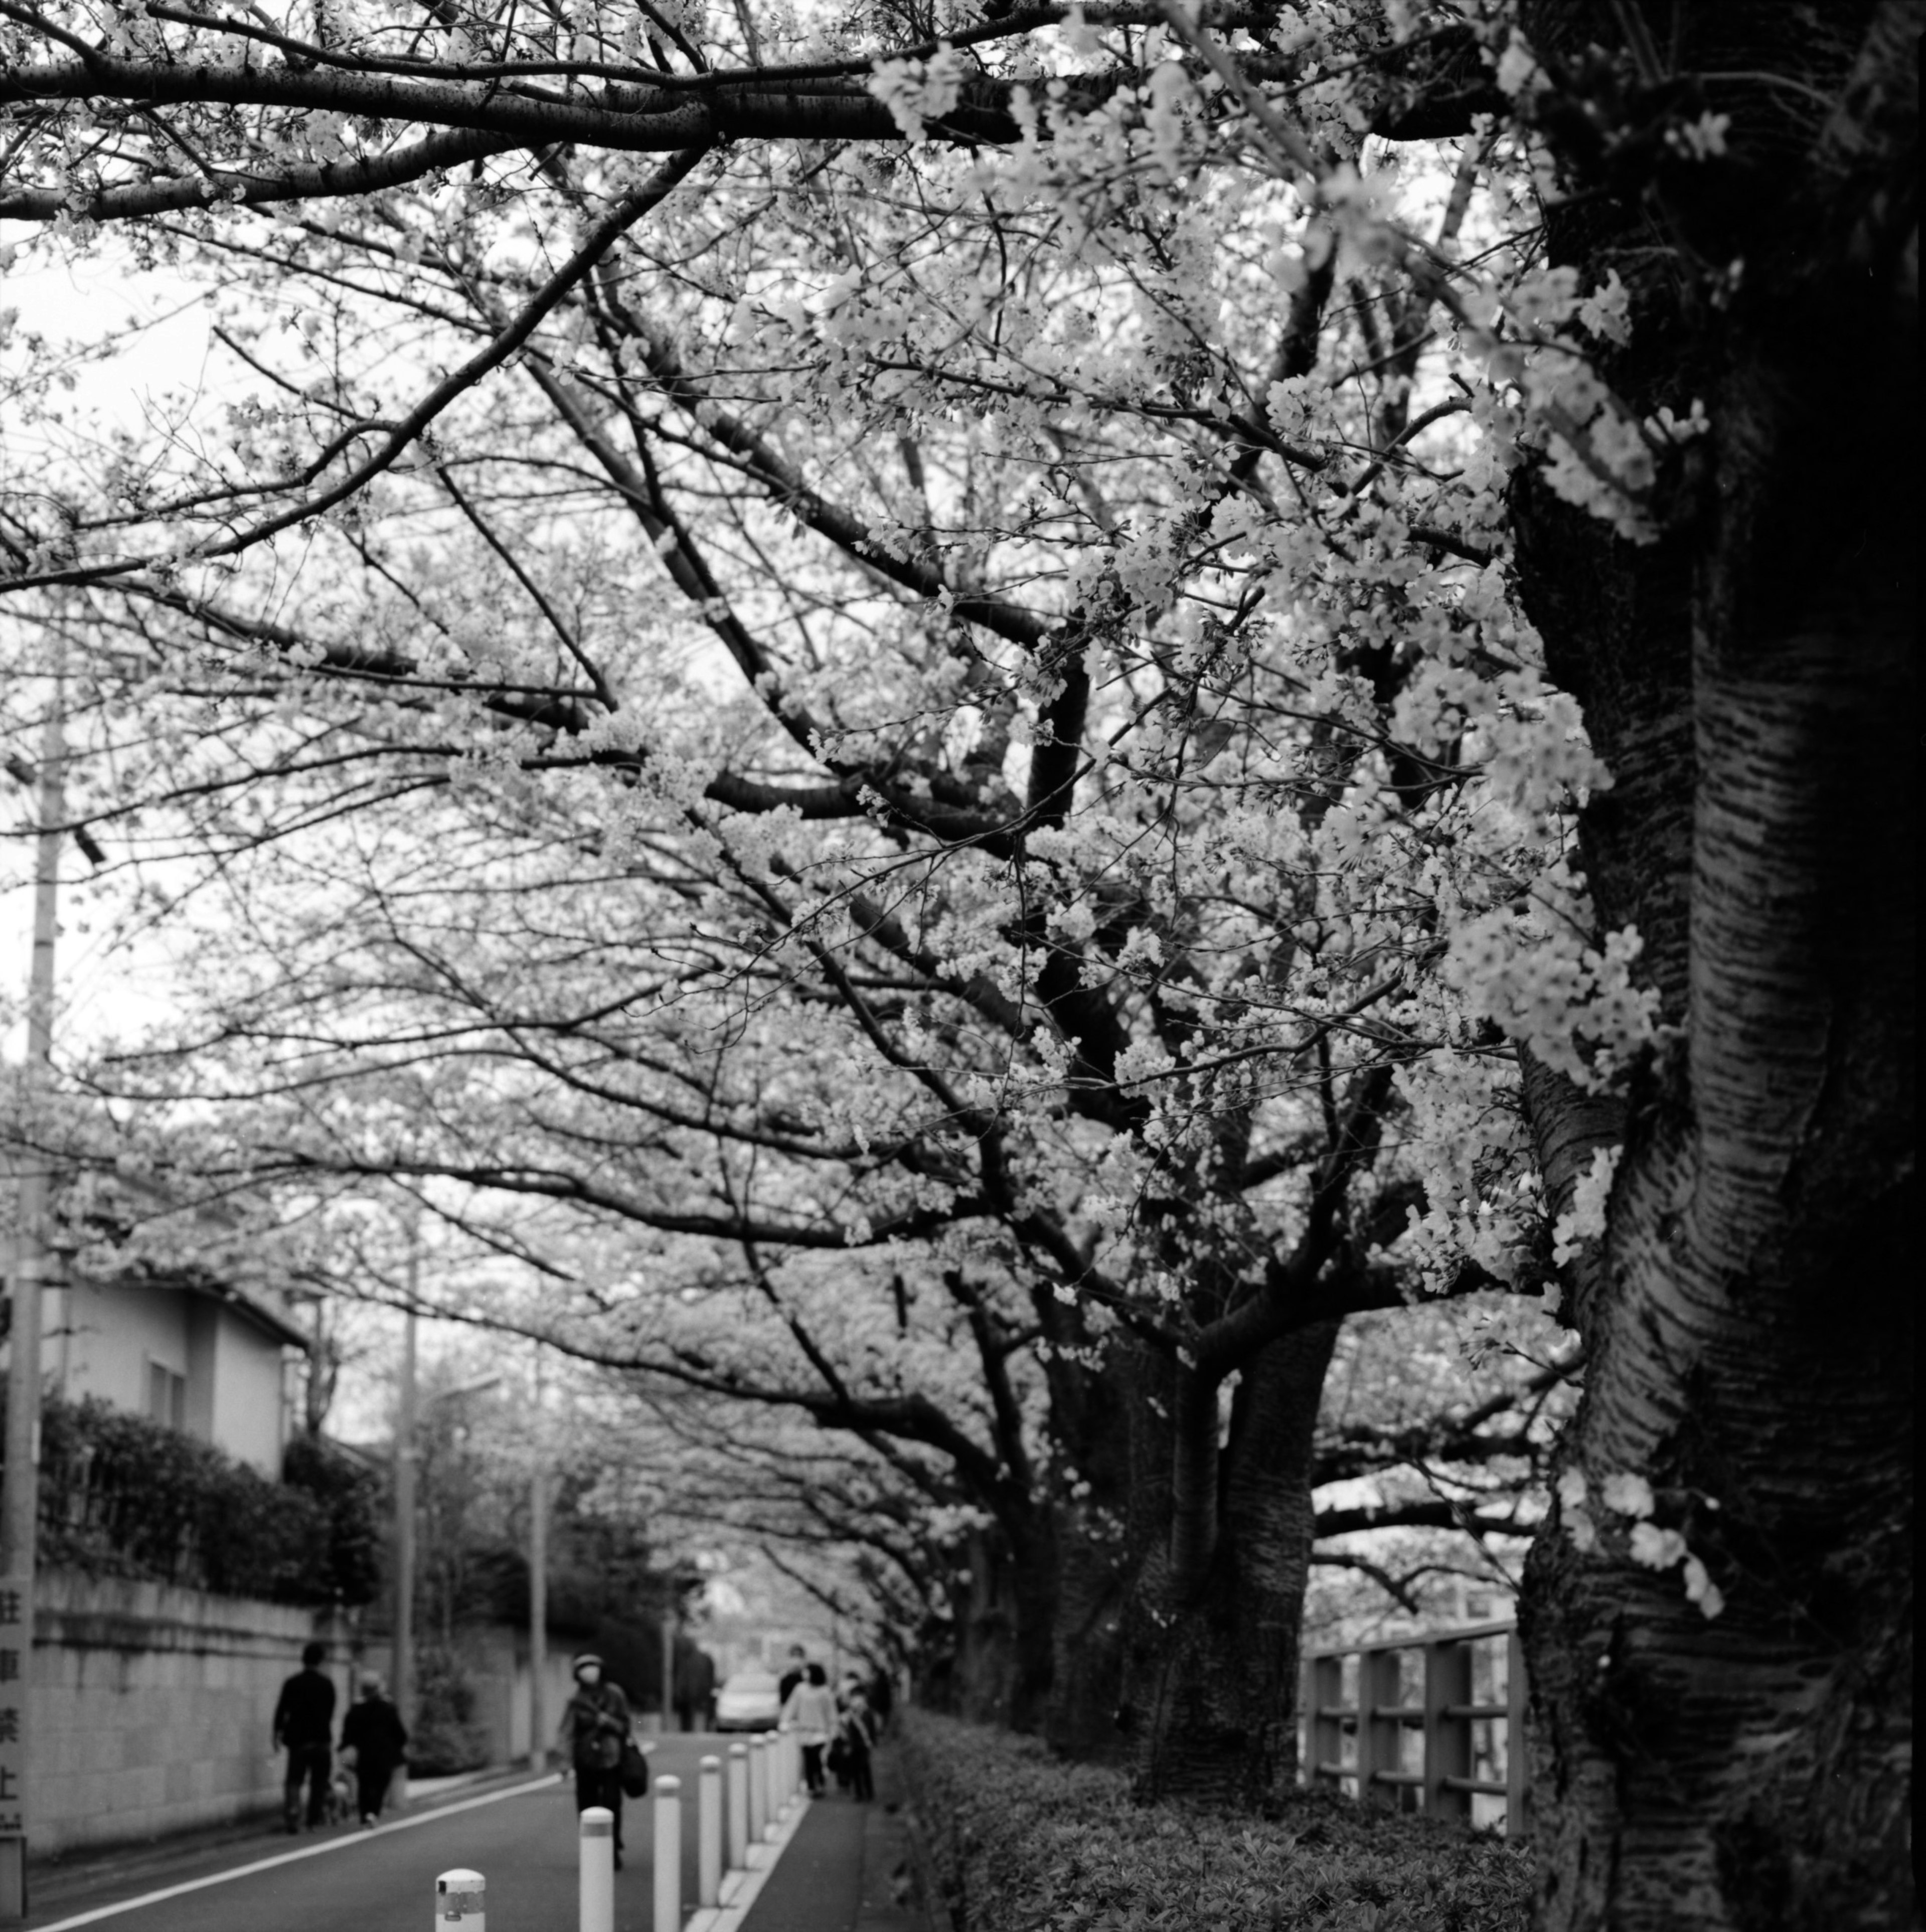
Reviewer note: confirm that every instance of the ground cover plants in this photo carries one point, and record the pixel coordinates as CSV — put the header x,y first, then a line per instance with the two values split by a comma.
x,y
1017,1840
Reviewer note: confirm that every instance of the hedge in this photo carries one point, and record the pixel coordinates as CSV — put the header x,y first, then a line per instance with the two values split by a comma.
x,y
1021,1842
120,1495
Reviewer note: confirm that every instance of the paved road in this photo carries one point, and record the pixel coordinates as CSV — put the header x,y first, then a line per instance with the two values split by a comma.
x,y
523,1843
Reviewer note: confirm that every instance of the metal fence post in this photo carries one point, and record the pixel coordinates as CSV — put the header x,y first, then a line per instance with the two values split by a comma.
x,y
1517,1761
1447,1732
1380,1740
461,1900
708,1833
597,1880
758,1786
668,1854
1326,1700
739,1807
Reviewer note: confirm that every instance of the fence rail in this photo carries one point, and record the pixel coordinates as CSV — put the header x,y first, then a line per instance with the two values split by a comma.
x,y
1456,1758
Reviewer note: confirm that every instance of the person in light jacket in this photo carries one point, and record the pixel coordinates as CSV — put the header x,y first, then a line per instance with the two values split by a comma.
x,y
810,1713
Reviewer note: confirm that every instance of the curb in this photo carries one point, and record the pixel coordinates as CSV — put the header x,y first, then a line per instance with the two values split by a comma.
x,y
900,1891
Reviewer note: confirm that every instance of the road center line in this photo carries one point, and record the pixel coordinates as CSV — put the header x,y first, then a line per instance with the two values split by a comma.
x,y
340,1844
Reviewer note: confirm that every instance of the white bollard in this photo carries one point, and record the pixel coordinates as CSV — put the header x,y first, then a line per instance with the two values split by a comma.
x,y
739,1807
758,1786
461,1900
708,1833
668,1854
776,1798
597,1870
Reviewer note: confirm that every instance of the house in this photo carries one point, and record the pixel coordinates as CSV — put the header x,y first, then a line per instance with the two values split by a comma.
x,y
210,1350
199,1354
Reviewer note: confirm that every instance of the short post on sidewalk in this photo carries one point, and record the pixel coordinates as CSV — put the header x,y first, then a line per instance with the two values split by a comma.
x,y
668,1854
597,1870
708,1833
758,1786
461,1901
739,1807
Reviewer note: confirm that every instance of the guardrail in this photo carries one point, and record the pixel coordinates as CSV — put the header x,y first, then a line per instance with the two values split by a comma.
x,y
1382,1715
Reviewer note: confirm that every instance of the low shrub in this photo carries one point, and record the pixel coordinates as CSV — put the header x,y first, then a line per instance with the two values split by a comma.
x,y
121,1496
445,1738
1021,1842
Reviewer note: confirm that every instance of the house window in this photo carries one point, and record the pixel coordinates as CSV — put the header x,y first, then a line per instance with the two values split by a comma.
x,y
167,1396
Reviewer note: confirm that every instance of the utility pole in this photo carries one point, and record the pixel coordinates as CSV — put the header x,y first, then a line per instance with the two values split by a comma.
x,y
537,1586
669,1663
19,1497
404,1519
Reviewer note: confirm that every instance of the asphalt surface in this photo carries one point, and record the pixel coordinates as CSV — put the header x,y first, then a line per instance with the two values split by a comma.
x,y
522,1841
816,1886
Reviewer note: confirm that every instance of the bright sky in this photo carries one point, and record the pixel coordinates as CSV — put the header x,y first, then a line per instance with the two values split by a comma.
x,y
84,300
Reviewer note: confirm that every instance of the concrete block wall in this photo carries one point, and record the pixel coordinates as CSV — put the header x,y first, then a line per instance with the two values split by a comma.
x,y
150,1707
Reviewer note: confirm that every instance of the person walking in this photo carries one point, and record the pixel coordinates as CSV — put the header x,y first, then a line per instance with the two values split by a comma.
x,y
797,1671
373,1731
859,1740
810,1713
595,1725
837,1763
304,1726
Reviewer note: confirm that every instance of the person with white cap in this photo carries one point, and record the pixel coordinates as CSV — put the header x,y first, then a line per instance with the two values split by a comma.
x,y
595,1725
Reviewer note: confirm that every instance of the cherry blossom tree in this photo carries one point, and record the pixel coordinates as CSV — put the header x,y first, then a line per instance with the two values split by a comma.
x,y
1165,485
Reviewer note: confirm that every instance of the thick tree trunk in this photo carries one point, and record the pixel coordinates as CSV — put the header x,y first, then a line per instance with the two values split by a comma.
x,y
1087,1675
1751,1340
1213,1654
1005,1615
1091,1478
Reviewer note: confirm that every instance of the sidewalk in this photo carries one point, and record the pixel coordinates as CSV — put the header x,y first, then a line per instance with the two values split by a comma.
x,y
847,1868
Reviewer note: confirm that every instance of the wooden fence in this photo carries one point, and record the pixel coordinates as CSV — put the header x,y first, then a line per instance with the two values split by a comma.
x,y
1413,1721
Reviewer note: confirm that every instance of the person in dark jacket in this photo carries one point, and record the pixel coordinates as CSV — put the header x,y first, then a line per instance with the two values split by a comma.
x,y
859,1740
305,1724
373,1731
796,1673
595,1727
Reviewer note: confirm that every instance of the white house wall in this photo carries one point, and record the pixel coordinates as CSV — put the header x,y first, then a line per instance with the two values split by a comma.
x,y
115,1331
236,1384
249,1392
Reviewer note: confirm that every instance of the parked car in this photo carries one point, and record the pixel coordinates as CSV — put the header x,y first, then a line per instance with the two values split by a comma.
x,y
747,1701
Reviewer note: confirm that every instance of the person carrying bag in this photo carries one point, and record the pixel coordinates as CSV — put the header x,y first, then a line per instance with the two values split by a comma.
x,y
596,1731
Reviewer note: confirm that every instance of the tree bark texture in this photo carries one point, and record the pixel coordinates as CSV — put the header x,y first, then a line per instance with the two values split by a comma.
x,y
1749,1338
1213,1648
1003,1618
1090,1422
